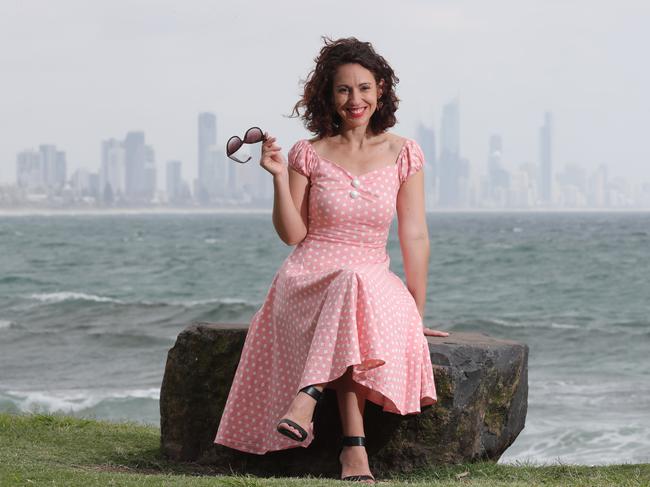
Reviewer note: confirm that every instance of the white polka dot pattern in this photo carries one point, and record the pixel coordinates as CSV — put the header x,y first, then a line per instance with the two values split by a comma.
x,y
333,303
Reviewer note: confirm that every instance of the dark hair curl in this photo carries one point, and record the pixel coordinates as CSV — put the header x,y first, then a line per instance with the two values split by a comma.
x,y
319,115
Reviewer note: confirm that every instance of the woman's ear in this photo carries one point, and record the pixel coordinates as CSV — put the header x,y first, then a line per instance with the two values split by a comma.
x,y
380,88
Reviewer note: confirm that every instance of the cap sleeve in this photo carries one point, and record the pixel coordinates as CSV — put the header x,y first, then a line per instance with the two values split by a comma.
x,y
300,157
412,159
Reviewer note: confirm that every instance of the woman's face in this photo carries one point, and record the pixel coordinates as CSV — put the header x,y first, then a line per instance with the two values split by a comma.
x,y
355,94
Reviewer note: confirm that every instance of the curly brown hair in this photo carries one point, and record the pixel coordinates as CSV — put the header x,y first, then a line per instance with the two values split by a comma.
x,y
319,115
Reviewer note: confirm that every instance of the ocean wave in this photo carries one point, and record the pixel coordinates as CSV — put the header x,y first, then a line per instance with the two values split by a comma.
x,y
524,324
588,443
564,325
58,297
505,323
72,296
73,400
6,324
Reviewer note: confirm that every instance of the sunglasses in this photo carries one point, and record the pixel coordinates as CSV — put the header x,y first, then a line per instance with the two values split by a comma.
x,y
252,136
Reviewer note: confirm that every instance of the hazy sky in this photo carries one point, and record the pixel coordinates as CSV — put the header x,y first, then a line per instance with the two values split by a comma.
x,y
74,72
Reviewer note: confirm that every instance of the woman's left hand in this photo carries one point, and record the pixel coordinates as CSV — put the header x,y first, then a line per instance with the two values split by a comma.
x,y
435,333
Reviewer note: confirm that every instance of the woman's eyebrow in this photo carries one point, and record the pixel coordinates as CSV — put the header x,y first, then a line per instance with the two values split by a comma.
x,y
347,86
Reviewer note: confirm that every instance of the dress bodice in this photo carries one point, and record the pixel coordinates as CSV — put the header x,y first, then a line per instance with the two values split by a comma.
x,y
352,210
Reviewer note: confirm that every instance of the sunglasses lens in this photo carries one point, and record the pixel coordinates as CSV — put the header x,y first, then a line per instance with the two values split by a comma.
x,y
253,135
233,145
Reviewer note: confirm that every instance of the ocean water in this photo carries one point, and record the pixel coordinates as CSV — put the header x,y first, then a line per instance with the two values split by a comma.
x,y
90,305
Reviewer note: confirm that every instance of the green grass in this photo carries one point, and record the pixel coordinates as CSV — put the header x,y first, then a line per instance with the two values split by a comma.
x,y
54,450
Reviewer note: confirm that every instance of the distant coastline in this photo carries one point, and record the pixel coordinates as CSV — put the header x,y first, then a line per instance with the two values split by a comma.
x,y
5,212
127,211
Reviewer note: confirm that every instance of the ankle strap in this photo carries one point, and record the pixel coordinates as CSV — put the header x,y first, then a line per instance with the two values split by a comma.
x,y
312,391
354,441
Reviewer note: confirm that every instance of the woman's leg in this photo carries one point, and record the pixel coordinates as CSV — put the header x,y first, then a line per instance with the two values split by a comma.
x,y
301,410
351,398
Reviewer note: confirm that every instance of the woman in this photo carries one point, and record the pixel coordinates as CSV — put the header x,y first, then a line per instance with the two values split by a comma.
x,y
335,315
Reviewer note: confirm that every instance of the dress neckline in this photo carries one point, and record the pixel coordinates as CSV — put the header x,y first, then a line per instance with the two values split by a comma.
x,y
356,176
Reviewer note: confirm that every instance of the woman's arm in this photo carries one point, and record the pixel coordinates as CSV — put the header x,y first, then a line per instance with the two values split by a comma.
x,y
290,206
291,194
414,237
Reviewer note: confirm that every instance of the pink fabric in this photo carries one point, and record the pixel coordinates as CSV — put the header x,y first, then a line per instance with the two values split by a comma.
x,y
333,303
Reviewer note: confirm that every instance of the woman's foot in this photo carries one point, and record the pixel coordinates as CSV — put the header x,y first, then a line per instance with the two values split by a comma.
x,y
354,461
301,411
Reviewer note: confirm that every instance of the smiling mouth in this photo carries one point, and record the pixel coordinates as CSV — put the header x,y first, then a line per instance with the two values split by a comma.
x,y
356,112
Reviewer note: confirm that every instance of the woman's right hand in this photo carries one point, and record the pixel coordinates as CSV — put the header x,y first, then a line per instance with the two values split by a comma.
x,y
271,158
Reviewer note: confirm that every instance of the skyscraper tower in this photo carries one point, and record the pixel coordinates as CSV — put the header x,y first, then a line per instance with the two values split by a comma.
x,y
112,171
174,181
498,177
427,139
134,160
494,155
206,169
451,167
545,159
53,165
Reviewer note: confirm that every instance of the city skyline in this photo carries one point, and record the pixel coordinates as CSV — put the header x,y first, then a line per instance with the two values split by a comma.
x,y
128,176
74,74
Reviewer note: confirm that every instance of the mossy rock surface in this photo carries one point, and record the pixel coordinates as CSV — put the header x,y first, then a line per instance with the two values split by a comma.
x,y
481,383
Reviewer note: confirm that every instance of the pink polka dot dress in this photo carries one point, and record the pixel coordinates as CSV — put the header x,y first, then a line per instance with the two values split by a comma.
x,y
333,303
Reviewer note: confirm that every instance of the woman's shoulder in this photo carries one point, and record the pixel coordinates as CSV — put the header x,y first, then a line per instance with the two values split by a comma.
x,y
314,142
301,156
411,156
397,141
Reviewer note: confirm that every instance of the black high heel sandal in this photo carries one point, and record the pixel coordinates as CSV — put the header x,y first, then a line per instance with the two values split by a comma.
x,y
355,441
316,394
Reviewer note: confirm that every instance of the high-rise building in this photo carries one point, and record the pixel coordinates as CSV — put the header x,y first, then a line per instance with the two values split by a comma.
x,y
29,170
140,168
53,166
60,170
222,166
494,157
453,170
206,179
41,170
112,173
174,182
498,177
134,161
48,162
546,160
149,173
427,140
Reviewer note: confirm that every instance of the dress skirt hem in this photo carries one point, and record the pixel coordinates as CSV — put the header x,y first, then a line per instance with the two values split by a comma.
x,y
375,395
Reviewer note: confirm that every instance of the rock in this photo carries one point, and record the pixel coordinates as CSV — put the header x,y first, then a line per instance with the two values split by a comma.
x,y
481,382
